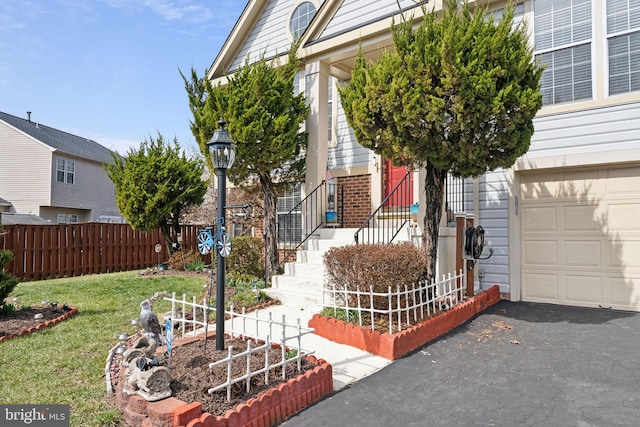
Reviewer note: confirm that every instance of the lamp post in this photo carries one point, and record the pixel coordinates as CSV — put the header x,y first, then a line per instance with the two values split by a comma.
x,y
222,151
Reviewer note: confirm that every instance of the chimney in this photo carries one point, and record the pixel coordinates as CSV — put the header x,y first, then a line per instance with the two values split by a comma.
x,y
29,116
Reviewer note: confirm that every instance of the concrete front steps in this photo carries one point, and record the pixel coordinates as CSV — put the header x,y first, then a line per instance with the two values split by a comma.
x,y
302,282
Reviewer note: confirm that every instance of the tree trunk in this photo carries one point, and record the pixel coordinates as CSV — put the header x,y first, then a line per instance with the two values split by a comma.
x,y
165,229
269,228
434,192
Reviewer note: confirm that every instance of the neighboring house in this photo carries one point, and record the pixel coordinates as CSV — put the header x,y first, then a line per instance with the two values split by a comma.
x,y
563,223
54,175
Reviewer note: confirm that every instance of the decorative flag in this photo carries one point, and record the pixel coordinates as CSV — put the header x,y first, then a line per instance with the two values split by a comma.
x,y
328,176
169,335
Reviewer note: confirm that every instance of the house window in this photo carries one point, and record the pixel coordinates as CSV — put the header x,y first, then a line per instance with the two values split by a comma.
x,y
65,171
296,83
300,18
518,14
290,219
562,35
331,116
623,37
67,218
237,230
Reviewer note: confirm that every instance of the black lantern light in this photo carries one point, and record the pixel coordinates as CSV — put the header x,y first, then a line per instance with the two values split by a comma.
x,y
222,151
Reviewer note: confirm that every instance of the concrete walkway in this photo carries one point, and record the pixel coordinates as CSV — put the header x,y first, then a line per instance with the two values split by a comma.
x,y
349,364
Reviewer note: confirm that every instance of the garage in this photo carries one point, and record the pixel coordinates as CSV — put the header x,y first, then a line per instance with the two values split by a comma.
x,y
580,237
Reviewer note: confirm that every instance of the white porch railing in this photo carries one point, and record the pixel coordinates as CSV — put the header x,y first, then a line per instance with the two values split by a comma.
x,y
410,305
248,327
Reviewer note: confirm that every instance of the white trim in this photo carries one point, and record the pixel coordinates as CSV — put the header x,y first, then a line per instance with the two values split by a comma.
x,y
513,227
531,162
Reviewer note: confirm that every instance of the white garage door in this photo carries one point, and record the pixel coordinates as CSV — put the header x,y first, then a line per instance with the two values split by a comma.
x,y
580,232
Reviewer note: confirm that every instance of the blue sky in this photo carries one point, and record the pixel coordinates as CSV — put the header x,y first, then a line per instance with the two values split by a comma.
x,y
108,69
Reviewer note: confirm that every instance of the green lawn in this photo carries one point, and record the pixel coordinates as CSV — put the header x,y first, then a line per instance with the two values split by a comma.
x,y
65,364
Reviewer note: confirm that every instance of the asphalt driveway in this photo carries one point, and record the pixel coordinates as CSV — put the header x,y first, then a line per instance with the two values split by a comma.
x,y
514,364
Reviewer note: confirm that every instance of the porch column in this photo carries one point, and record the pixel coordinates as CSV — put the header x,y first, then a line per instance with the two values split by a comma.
x,y
316,90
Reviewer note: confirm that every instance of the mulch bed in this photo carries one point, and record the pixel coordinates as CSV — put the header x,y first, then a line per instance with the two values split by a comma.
x,y
21,320
191,376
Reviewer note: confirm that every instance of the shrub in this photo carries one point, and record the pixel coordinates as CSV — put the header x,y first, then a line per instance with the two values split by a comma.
x,y
196,265
247,290
186,260
7,281
246,256
375,266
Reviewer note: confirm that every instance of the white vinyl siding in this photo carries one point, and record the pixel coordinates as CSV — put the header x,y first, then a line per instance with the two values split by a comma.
x,y
562,37
357,13
347,152
589,131
493,202
92,192
268,36
623,33
25,171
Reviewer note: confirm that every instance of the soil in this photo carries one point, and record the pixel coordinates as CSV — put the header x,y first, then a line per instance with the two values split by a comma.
x,y
20,320
191,376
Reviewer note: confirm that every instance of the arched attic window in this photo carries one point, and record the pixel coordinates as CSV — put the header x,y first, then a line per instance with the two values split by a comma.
x,y
300,18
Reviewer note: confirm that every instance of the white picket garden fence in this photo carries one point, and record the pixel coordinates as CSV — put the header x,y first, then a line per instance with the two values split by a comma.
x,y
409,304
249,327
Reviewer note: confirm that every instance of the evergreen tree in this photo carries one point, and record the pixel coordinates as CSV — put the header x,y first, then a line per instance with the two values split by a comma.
x,y
155,184
458,93
264,118
7,281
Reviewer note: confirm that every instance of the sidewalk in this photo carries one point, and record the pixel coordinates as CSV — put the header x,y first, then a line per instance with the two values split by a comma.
x,y
349,364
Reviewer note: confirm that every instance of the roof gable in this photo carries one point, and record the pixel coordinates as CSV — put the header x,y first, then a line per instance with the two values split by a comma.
x,y
261,30
59,140
350,16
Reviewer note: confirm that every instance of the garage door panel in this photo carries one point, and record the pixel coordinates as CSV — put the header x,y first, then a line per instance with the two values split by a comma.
x,y
582,253
581,219
540,286
532,189
541,219
622,181
625,254
583,290
624,217
581,184
580,232
541,252
625,292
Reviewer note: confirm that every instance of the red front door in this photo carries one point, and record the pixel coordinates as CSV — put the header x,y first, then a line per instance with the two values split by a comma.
x,y
393,175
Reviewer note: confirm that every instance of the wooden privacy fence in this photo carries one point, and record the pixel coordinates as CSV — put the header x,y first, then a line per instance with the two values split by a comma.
x,y
63,250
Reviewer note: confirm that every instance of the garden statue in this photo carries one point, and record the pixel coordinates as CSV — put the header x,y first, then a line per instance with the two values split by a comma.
x,y
146,375
150,322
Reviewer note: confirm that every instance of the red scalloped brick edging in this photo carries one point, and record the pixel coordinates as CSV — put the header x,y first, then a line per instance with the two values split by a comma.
x,y
47,324
394,346
267,409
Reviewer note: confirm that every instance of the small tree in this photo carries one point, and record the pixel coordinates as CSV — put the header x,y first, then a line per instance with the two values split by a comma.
x,y
155,184
458,94
264,118
7,281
